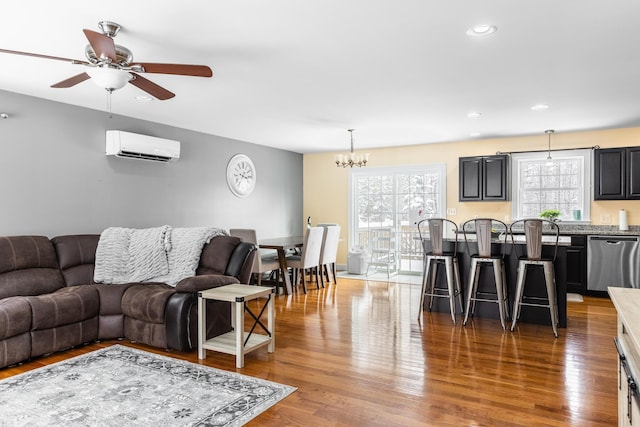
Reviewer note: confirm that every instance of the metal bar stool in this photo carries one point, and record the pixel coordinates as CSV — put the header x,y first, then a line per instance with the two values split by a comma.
x,y
435,257
533,229
483,229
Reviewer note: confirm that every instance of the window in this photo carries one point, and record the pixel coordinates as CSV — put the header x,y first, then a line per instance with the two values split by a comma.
x,y
562,184
380,202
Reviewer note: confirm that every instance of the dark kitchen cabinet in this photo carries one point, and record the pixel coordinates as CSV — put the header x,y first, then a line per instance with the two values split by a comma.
x,y
617,173
577,265
633,172
483,178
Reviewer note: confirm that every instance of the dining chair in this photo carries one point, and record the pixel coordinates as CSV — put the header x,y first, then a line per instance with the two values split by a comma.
x,y
533,229
309,257
265,261
434,256
484,230
329,253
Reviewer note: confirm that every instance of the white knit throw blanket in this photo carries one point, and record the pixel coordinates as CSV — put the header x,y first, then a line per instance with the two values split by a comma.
x,y
161,254
184,256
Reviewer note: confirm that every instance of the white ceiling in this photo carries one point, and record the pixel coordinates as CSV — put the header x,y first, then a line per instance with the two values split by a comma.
x,y
296,74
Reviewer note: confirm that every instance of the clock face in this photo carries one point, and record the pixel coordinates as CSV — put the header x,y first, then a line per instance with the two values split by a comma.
x,y
241,175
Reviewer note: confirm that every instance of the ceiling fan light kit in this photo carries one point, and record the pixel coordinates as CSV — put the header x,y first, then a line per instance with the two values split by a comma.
x,y
109,78
111,66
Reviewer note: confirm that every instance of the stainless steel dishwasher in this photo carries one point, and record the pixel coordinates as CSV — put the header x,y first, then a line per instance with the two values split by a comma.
x,y
613,261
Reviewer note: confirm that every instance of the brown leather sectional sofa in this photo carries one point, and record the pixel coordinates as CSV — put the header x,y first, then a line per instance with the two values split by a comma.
x,y
49,302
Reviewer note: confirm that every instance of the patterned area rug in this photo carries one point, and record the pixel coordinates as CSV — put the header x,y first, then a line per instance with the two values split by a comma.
x,y
121,386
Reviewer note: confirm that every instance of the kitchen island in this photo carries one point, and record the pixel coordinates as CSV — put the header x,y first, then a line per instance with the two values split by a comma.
x,y
534,283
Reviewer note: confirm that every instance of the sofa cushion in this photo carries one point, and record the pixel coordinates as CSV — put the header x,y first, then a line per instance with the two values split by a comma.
x,y
76,257
28,266
111,297
15,317
77,249
147,301
153,334
216,254
207,281
65,306
20,252
63,337
32,281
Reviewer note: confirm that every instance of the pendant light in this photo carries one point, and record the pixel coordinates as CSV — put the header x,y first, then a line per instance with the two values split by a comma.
x,y
549,161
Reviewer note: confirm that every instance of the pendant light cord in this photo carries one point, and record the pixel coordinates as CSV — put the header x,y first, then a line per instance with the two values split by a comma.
x,y
351,132
549,132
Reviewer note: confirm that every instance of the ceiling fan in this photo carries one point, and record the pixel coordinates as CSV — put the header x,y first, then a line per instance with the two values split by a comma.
x,y
111,66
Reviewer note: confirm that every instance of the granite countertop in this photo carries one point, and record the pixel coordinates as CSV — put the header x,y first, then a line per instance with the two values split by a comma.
x,y
605,230
566,230
588,229
517,238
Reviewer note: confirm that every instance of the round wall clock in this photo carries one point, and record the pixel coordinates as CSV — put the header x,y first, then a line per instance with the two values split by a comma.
x,y
241,175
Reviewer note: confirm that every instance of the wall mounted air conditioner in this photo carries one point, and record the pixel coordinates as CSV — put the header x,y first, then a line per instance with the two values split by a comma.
x,y
144,147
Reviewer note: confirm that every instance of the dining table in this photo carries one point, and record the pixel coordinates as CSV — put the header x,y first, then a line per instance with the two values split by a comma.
x,y
282,245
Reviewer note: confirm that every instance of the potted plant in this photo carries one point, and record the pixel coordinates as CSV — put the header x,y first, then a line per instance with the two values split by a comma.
x,y
550,214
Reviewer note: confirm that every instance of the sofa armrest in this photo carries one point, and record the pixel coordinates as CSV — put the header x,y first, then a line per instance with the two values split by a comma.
x,y
178,317
206,281
240,264
181,319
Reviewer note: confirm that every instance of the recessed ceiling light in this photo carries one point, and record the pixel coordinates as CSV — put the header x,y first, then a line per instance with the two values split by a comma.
x,y
540,107
482,30
474,115
144,98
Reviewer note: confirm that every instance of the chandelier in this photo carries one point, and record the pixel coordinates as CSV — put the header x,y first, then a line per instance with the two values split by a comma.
x,y
352,159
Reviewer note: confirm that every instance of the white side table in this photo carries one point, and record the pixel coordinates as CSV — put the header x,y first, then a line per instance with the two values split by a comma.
x,y
235,342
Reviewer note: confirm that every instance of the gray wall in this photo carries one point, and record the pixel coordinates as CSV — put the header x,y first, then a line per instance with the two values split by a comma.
x,y
55,178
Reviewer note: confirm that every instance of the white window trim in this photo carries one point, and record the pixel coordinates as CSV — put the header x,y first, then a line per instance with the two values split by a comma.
x,y
585,155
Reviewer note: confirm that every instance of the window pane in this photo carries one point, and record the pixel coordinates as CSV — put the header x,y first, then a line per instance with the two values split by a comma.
x,y
560,184
549,181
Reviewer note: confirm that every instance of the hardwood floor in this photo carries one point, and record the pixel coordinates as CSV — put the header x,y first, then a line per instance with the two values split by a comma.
x,y
359,357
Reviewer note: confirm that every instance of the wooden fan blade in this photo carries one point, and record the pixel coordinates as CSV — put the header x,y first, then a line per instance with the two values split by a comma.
x,y
151,88
179,69
103,46
72,81
37,55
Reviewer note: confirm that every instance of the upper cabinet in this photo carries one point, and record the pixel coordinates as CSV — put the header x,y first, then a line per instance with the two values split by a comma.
x,y
483,178
617,174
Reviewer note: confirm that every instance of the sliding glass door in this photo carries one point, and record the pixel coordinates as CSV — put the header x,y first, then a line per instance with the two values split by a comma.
x,y
383,206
